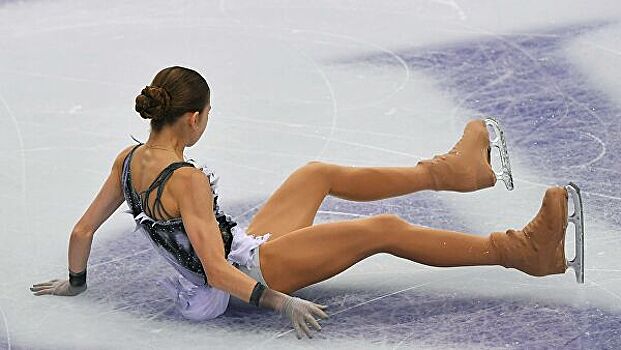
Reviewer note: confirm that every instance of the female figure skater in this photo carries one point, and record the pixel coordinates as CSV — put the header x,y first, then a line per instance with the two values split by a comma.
x,y
281,250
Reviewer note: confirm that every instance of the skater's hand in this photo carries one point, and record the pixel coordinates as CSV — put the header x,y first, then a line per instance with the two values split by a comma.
x,y
300,311
57,287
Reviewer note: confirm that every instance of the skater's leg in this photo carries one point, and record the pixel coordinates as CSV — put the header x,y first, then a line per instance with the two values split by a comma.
x,y
466,167
364,184
313,254
295,203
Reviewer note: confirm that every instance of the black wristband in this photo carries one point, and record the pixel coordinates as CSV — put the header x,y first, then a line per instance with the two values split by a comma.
x,y
257,292
77,279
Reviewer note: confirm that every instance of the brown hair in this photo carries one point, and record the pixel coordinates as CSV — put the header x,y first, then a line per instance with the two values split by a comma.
x,y
173,92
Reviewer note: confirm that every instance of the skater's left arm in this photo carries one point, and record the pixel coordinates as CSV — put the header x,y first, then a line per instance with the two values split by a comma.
x,y
107,201
109,198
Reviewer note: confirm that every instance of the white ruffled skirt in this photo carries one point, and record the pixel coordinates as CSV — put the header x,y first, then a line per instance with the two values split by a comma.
x,y
197,301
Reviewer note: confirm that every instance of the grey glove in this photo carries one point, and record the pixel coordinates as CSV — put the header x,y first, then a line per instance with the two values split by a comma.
x,y
298,310
57,287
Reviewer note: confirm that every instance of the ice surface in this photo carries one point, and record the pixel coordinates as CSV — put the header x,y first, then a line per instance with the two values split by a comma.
x,y
360,83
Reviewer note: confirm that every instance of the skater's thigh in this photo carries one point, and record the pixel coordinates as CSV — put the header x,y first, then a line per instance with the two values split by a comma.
x,y
295,203
315,253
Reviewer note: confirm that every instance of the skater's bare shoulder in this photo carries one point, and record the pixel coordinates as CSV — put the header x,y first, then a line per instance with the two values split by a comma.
x,y
190,180
117,166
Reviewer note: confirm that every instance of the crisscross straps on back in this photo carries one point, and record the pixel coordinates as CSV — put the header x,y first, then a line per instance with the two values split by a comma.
x,y
158,183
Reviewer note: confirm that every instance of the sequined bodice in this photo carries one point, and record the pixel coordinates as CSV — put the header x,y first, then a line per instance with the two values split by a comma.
x,y
170,234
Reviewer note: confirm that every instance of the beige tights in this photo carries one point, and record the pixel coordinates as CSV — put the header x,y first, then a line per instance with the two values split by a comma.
x,y
307,254
318,252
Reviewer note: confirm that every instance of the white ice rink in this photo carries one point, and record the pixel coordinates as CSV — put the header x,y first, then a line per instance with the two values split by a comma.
x,y
366,83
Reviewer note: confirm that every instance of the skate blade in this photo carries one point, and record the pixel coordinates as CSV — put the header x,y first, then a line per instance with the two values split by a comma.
x,y
499,142
577,219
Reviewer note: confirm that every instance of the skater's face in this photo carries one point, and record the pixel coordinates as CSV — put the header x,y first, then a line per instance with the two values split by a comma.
x,y
204,118
199,124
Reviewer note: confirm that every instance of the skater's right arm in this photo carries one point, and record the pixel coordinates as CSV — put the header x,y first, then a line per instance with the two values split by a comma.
x,y
194,198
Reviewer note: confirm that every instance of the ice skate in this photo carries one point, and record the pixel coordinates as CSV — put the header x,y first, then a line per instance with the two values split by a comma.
x,y
467,166
499,142
578,220
539,248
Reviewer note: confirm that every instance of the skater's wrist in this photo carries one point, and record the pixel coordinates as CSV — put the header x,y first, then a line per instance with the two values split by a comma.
x,y
77,279
257,293
272,299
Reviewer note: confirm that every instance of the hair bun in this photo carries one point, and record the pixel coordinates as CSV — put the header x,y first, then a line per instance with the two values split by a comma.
x,y
153,102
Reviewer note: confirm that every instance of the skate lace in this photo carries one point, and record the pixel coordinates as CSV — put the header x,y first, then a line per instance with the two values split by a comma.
x,y
537,224
529,229
443,157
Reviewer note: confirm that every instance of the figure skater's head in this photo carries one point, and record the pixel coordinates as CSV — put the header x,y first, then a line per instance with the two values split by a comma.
x,y
178,98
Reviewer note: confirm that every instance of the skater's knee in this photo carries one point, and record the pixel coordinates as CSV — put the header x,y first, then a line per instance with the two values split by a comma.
x,y
389,221
315,166
318,171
